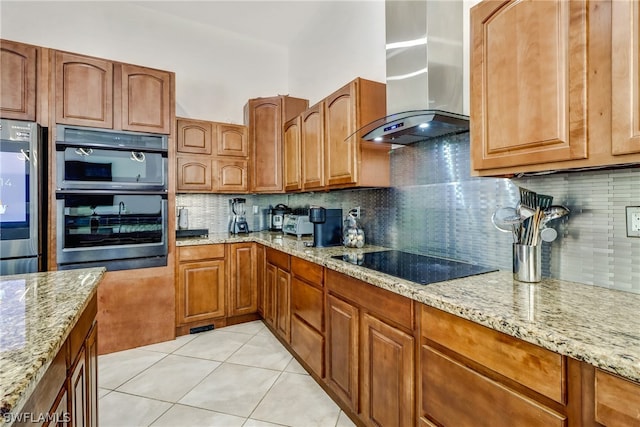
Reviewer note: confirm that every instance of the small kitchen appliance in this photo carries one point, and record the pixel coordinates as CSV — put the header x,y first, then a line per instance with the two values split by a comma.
x,y
276,215
297,224
238,223
327,226
183,218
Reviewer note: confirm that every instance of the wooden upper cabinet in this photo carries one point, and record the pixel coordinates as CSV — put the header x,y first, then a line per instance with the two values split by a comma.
x,y
232,140
83,90
351,161
528,82
194,173
292,155
625,84
312,144
230,176
100,93
18,65
265,118
146,99
194,136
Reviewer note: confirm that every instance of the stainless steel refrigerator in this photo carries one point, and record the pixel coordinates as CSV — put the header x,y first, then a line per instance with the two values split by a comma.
x,y
22,187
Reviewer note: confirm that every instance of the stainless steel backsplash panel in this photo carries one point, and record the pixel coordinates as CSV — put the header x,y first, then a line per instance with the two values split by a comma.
x,y
435,207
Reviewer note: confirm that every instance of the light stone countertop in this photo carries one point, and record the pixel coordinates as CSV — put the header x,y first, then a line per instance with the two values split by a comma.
x,y
589,323
37,313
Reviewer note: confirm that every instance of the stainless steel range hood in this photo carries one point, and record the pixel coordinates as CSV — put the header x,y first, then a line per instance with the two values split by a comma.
x,y
424,72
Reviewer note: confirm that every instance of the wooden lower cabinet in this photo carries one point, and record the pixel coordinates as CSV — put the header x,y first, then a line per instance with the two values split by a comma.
x,y
283,308
67,394
342,349
617,401
277,291
243,289
201,283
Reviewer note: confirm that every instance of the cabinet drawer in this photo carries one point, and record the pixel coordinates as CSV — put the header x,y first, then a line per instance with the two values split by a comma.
x,y
193,253
308,344
277,258
617,400
377,300
539,369
306,270
454,395
307,303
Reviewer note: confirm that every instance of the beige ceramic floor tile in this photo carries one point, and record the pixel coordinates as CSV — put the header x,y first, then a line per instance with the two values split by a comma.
x,y
344,421
187,416
214,345
250,328
257,423
124,410
312,408
169,379
295,367
115,369
232,389
263,352
169,346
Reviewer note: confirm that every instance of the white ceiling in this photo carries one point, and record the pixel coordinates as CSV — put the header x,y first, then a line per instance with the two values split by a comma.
x,y
276,22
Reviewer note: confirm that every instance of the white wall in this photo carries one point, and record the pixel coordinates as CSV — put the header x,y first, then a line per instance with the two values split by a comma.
x,y
346,41
216,71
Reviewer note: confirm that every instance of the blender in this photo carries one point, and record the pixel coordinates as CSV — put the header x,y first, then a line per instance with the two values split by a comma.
x,y
238,223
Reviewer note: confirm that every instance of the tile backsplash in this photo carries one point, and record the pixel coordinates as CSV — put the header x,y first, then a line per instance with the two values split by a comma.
x,y
435,207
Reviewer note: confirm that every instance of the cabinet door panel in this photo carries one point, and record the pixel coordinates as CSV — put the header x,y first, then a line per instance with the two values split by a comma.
x,y
283,310
387,378
194,173
146,99
454,395
292,156
83,91
312,145
201,290
342,349
79,409
231,175
617,400
243,292
340,122
625,84
232,140
194,136
265,124
307,303
271,273
308,344
18,64
91,346
529,83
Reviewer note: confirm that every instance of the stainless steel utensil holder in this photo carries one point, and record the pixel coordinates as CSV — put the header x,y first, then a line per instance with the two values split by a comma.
x,y
527,263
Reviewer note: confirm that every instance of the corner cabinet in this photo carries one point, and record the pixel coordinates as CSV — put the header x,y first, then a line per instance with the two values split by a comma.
x,y
211,157
18,70
100,93
625,83
292,155
265,118
554,85
312,147
348,160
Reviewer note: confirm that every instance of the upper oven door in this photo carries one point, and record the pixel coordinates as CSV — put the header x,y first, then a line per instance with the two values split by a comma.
x,y
106,160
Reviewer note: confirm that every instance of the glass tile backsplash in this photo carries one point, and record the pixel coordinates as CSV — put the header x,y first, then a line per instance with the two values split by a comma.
x,y
435,207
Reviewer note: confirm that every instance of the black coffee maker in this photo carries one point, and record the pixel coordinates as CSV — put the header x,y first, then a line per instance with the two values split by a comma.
x,y
327,226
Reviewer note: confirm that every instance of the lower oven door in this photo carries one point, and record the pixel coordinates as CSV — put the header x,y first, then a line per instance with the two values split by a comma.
x,y
115,230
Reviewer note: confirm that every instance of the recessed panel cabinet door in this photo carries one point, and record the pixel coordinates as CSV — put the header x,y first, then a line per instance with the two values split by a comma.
x,y
194,136
231,175
83,90
340,122
387,377
342,349
292,155
232,140
265,127
201,290
625,84
312,143
243,289
146,99
18,64
194,173
528,82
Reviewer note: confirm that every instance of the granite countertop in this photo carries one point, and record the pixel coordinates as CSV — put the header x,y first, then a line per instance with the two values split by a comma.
x,y
37,313
589,323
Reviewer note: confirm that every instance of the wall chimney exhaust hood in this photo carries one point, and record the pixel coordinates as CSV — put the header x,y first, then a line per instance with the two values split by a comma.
x,y
424,73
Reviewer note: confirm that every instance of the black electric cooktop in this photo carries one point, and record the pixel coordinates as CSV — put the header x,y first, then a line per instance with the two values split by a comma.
x,y
421,269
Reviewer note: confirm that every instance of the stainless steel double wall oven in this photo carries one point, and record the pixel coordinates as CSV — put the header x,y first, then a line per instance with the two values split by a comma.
x,y
111,198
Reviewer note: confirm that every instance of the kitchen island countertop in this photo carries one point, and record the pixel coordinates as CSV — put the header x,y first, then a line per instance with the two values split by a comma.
x,y
589,323
37,313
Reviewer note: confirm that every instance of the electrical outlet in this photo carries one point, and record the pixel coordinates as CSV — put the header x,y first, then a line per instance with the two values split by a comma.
x,y
356,211
633,221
